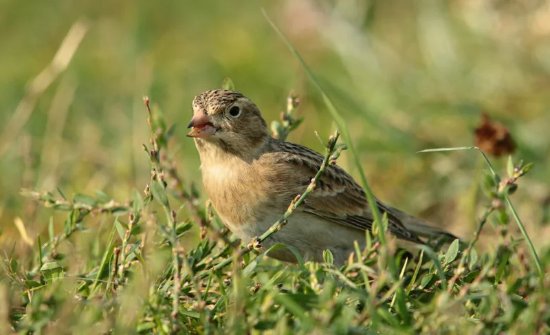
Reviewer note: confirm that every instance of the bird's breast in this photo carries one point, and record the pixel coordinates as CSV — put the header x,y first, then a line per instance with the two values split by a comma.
x,y
238,192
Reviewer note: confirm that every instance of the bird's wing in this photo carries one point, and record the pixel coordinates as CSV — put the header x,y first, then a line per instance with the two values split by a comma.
x,y
337,197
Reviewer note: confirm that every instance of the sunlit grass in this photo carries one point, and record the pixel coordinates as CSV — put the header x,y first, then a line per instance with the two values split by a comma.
x,y
104,255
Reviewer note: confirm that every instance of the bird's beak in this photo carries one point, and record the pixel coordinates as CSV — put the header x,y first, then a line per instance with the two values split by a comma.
x,y
201,126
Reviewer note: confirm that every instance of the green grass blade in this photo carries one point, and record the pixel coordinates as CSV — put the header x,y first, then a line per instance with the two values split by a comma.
x,y
521,227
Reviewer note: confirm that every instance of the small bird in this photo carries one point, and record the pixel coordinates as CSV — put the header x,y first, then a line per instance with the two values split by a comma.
x,y
251,178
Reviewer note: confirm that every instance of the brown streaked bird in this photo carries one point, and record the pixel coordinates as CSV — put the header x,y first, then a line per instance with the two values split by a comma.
x,y
251,178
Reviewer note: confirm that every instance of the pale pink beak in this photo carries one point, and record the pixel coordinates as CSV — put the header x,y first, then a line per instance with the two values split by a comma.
x,y
201,126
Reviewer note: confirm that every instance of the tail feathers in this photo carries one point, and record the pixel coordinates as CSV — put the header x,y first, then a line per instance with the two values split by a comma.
x,y
422,229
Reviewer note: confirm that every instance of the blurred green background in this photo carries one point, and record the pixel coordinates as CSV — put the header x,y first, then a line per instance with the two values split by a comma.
x,y
406,75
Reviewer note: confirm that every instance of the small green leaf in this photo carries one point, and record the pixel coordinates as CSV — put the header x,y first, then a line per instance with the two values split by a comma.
x,y
50,266
137,201
120,229
119,210
510,166
182,227
29,283
503,217
159,193
136,229
425,280
51,270
228,84
265,325
13,265
502,262
192,314
526,168
452,252
102,197
328,257
62,207
473,259
276,129
145,327
84,199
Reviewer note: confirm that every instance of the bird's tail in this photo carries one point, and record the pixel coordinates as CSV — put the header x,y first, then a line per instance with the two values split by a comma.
x,y
421,228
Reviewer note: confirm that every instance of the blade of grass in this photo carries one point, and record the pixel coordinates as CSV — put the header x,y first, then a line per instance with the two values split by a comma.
x,y
401,274
526,236
104,261
416,271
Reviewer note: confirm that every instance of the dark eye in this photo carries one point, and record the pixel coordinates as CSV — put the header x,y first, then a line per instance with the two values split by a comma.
x,y
235,111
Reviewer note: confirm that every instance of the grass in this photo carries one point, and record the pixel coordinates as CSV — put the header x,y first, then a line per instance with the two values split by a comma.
x,y
144,280
98,235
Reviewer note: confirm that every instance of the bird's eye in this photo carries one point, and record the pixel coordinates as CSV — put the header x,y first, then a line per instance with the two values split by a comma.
x,y
235,111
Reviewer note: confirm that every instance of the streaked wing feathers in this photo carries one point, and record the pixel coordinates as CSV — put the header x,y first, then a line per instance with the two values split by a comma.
x,y
337,197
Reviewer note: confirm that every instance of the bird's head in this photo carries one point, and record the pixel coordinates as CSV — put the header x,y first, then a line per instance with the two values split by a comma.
x,y
228,120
